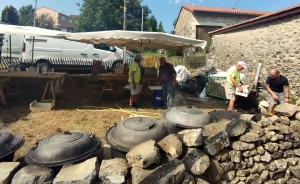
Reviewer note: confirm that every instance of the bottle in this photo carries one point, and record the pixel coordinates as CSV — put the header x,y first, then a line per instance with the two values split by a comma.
x,y
38,68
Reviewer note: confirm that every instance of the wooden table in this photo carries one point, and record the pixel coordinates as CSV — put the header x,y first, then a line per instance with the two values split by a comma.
x,y
108,77
112,77
51,79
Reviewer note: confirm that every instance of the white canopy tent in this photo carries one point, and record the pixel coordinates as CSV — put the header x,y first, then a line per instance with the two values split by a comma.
x,y
131,39
29,30
121,38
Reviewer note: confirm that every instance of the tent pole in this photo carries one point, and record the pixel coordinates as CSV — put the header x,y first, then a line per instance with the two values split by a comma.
x,y
32,51
9,48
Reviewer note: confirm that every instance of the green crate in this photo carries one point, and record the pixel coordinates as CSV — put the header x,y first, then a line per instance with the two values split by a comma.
x,y
214,87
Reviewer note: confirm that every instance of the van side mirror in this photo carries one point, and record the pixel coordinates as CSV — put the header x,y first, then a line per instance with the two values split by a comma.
x,y
112,48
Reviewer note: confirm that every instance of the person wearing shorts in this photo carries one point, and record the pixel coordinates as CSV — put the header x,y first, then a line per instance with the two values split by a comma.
x,y
134,81
233,81
278,89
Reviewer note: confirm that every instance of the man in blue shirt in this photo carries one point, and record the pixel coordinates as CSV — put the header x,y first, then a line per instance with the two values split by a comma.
x,y
167,76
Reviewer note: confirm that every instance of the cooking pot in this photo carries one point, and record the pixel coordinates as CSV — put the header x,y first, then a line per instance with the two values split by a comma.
x,y
9,143
132,131
63,148
224,115
187,117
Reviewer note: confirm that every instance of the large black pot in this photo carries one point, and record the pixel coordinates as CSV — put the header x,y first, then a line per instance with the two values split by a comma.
x,y
132,131
186,117
63,148
224,115
9,143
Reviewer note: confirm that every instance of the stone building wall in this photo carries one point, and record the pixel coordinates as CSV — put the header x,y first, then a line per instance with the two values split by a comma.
x,y
187,21
184,24
274,43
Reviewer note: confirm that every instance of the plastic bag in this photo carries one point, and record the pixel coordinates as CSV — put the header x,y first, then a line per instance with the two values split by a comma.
x,y
203,94
182,74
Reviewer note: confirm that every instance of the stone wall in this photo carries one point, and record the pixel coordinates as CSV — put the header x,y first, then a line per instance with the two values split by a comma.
x,y
187,21
184,24
274,43
237,149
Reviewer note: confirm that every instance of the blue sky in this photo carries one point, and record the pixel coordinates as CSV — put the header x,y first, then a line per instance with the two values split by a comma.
x,y
163,10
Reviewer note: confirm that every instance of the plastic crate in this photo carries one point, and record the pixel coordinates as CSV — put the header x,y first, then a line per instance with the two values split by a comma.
x,y
214,87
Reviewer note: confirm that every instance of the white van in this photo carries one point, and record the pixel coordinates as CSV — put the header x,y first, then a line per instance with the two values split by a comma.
x,y
51,48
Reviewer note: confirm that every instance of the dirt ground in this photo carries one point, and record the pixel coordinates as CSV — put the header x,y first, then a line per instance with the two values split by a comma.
x,y
78,109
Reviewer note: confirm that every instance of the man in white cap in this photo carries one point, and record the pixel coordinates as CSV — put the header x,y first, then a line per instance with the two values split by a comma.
x,y
233,81
134,81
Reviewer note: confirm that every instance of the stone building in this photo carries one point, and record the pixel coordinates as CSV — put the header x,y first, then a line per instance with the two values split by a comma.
x,y
272,39
197,21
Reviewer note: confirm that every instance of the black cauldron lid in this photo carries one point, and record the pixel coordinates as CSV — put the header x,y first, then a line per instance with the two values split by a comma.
x,y
63,148
9,143
187,117
224,115
132,131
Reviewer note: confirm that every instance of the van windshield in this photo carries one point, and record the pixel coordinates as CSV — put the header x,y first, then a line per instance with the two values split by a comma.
x,y
103,46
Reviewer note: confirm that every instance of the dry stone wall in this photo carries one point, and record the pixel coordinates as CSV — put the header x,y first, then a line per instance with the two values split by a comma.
x,y
274,43
249,149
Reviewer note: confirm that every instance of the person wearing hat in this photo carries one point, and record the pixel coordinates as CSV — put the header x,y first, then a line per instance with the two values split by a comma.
x,y
233,81
167,76
134,81
278,89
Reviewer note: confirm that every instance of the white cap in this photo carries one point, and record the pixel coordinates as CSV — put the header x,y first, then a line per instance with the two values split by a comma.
x,y
242,63
138,57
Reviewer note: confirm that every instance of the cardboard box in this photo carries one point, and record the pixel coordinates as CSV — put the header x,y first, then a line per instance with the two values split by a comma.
x,y
119,71
42,106
246,90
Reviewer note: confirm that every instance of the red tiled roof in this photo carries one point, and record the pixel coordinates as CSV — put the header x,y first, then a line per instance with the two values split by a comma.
x,y
193,8
258,20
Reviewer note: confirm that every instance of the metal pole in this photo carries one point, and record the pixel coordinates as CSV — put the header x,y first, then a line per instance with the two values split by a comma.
x,y
142,19
124,20
124,28
32,49
34,13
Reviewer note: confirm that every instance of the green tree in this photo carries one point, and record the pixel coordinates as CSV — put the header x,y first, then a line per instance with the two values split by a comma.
x,y
160,28
151,24
170,53
26,14
10,15
45,21
100,15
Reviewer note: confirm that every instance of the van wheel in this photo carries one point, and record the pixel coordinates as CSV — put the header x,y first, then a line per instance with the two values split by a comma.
x,y
44,61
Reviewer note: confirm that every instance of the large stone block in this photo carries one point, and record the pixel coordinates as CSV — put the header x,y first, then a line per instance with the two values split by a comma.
x,y
143,155
171,144
216,143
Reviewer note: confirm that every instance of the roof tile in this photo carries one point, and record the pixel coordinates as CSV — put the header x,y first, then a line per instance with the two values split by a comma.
x,y
193,8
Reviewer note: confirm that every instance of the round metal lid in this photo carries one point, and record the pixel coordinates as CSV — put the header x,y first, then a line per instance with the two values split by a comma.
x,y
224,115
63,148
133,131
9,143
187,117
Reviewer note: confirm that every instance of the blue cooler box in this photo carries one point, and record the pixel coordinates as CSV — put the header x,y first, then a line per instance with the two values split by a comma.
x,y
158,98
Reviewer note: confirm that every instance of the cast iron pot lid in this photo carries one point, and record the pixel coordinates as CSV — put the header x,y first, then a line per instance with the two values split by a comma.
x,y
133,131
224,115
63,148
9,143
187,117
